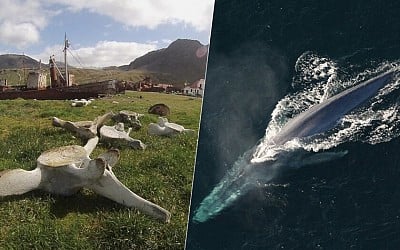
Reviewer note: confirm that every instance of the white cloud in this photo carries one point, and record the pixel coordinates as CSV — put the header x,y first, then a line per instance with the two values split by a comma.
x,y
149,13
21,22
167,41
19,34
102,54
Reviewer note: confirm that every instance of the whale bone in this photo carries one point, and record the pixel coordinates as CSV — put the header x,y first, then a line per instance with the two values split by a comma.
x,y
83,129
66,170
165,128
117,135
128,117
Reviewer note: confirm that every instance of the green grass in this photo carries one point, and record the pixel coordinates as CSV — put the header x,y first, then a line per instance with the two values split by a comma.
x,y
82,76
89,75
162,174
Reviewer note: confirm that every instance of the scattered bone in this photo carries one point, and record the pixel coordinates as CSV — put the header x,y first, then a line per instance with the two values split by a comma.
x,y
165,128
159,109
65,170
117,135
83,129
128,117
81,102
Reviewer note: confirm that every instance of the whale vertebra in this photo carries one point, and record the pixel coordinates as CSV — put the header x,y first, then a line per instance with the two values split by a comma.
x,y
66,170
316,120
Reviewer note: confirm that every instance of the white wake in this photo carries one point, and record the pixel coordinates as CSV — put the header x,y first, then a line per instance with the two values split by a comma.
x,y
316,79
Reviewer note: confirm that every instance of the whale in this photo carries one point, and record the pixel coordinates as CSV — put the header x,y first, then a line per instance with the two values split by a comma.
x,y
323,116
316,120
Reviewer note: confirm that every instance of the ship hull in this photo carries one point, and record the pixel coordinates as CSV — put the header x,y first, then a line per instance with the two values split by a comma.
x,y
90,90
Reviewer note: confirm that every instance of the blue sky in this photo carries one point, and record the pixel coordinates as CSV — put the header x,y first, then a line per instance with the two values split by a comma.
x,y
102,32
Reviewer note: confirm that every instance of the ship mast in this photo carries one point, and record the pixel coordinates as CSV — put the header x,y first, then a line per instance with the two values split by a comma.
x,y
66,46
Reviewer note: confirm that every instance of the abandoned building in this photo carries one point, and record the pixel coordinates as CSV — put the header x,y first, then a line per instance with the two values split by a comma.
x,y
195,89
36,80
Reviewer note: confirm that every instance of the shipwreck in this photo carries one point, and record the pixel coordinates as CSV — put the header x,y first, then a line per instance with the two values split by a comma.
x,y
62,84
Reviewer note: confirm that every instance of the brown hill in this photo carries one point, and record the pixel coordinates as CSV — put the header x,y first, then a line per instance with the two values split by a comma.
x,y
13,61
183,60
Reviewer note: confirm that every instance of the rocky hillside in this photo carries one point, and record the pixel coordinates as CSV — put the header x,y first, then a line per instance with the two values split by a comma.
x,y
12,61
184,60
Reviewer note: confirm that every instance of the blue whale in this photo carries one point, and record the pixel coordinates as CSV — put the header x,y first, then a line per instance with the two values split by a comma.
x,y
247,170
324,116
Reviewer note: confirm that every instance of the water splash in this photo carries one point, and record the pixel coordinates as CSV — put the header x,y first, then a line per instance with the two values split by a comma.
x,y
316,79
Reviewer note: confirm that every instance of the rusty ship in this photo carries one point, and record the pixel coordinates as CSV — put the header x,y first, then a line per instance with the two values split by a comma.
x,y
62,85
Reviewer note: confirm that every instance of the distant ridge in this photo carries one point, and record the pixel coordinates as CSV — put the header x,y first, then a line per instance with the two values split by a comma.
x,y
13,61
183,60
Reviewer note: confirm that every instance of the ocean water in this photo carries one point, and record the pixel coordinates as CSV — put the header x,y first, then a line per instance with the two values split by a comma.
x,y
270,60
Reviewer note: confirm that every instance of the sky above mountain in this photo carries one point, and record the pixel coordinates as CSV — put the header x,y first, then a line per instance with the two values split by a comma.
x,y
102,32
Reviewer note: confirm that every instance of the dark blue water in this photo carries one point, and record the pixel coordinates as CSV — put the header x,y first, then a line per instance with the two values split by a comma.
x,y
349,203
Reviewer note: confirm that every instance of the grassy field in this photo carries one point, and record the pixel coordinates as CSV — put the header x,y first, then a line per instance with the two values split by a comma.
x,y
89,75
162,173
82,76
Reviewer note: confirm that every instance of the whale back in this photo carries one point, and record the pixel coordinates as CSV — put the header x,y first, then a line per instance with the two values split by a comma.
x,y
324,116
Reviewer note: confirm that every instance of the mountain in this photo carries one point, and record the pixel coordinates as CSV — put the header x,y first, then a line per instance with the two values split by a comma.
x,y
183,60
12,61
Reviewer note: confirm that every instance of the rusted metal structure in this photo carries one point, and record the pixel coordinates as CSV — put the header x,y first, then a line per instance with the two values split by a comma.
x,y
61,87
